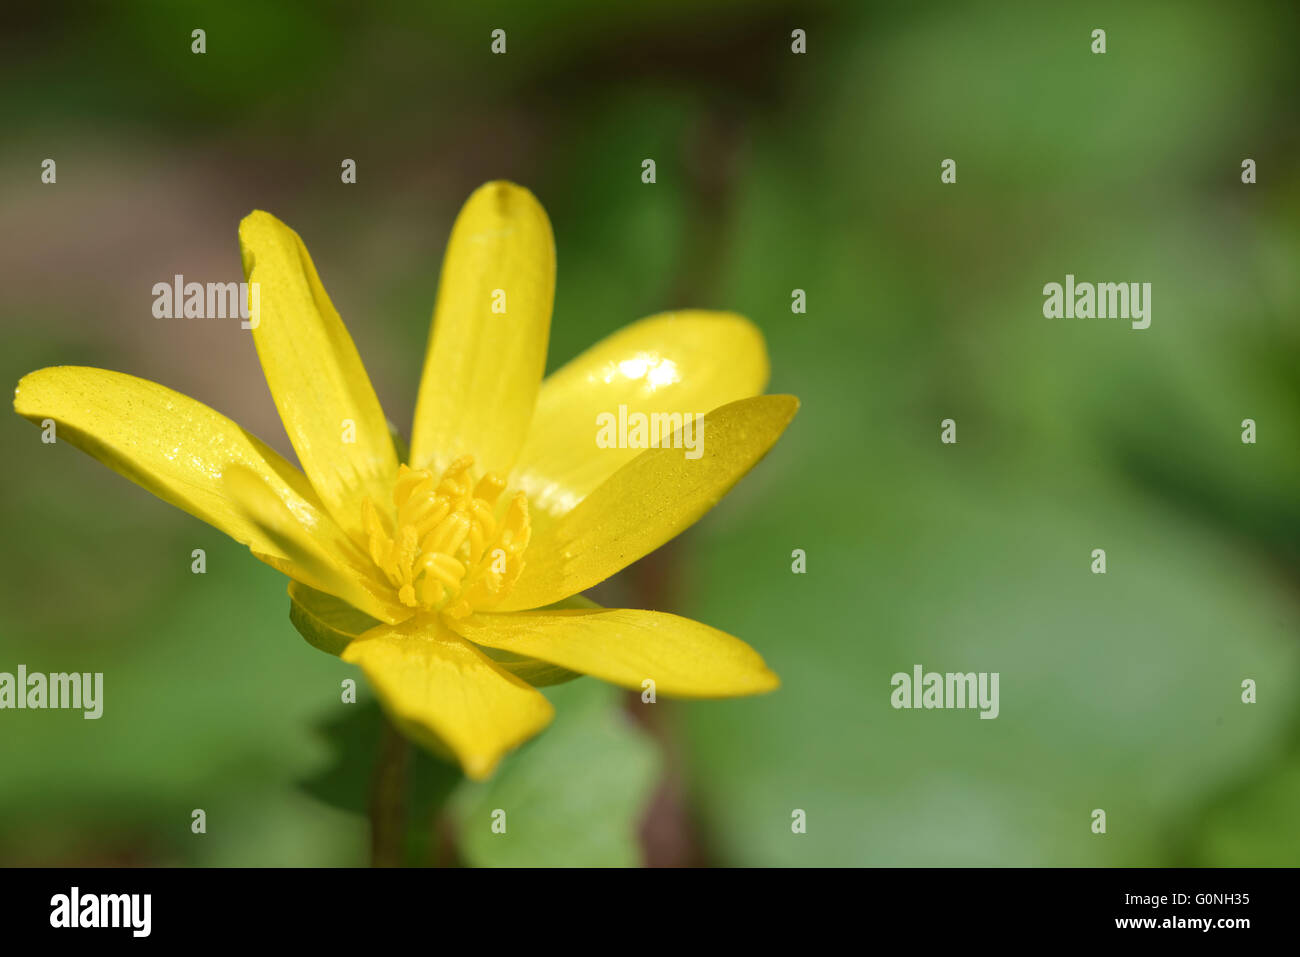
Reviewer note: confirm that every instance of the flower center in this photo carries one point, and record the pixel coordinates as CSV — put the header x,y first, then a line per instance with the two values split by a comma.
x,y
445,550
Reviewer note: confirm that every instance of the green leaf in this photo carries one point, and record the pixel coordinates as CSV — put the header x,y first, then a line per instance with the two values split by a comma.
x,y
1118,691
572,797
1239,828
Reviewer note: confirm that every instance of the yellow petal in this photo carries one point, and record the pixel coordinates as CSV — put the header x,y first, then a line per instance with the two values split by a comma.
x,y
444,692
677,362
325,559
168,443
331,624
483,368
316,377
626,647
647,502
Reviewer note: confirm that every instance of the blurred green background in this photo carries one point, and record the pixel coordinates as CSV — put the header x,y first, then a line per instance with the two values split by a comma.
x,y
776,171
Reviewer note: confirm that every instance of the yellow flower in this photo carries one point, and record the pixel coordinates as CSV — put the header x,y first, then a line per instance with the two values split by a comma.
x,y
454,581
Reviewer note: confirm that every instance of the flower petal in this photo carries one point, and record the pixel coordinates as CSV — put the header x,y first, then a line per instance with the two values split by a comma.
x,y
626,646
316,377
647,502
331,624
326,560
676,362
444,692
483,368
168,443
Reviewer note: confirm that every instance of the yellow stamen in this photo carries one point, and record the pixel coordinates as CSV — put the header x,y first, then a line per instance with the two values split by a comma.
x,y
443,547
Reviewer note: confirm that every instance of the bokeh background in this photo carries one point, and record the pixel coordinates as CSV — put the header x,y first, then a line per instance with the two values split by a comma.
x,y
775,171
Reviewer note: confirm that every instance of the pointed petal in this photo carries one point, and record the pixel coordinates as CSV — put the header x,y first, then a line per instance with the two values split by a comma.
x,y
648,501
316,377
483,368
679,362
626,646
445,693
168,443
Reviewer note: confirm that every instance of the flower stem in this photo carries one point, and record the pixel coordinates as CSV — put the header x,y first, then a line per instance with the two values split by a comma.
x,y
388,799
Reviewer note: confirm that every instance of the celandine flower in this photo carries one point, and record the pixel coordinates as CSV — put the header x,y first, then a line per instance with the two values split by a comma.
x,y
454,580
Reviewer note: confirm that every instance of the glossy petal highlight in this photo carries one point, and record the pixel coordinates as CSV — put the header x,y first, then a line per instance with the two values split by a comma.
x,y
691,361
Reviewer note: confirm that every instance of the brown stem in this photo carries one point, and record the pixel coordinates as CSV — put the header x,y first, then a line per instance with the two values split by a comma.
x,y
388,799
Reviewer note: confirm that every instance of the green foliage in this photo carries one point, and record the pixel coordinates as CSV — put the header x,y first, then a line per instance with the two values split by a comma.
x,y
572,797
775,172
